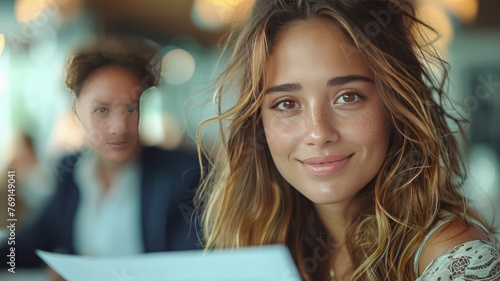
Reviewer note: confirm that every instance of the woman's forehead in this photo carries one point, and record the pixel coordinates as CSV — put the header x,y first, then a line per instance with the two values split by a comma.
x,y
309,45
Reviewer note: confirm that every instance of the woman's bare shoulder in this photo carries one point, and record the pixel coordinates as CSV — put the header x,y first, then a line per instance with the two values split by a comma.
x,y
447,237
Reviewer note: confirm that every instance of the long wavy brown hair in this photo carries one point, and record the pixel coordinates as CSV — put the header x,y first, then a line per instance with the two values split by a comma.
x,y
245,201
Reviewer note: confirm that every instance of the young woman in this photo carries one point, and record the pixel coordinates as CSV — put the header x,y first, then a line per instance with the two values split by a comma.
x,y
338,146
116,197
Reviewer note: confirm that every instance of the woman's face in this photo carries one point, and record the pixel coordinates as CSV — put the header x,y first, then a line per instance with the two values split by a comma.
x,y
323,118
108,109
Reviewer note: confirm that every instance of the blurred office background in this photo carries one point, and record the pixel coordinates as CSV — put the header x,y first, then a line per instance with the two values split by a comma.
x,y
36,37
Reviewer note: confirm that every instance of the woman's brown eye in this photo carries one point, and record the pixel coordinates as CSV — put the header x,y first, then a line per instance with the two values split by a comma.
x,y
349,97
288,104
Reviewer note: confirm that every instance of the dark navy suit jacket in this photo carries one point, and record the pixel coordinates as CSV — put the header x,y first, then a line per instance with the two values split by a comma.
x,y
168,183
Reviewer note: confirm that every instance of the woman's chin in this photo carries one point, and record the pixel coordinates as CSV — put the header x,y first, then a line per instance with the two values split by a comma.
x,y
119,159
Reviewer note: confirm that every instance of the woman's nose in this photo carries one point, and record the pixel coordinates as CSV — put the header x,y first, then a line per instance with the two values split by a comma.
x,y
118,125
320,126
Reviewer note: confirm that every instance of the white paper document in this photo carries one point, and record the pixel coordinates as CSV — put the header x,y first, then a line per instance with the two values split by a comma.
x,y
265,263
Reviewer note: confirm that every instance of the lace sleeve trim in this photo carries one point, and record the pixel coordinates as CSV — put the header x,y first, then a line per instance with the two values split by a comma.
x,y
473,260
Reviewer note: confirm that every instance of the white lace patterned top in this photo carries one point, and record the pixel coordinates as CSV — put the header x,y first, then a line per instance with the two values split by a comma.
x,y
473,260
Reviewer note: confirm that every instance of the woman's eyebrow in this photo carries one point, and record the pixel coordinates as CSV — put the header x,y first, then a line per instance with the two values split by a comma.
x,y
336,81
341,80
287,87
100,102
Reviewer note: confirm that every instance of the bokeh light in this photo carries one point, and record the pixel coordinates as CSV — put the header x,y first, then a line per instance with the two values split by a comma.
x,y
156,127
2,43
173,132
67,135
28,10
432,13
44,47
151,128
177,66
482,186
484,167
464,10
216,14
2,84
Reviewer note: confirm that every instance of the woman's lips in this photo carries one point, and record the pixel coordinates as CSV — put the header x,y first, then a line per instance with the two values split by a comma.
x,y
325,166
118,145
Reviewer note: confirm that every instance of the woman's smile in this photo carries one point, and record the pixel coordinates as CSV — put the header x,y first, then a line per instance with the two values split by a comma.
x,y
325,166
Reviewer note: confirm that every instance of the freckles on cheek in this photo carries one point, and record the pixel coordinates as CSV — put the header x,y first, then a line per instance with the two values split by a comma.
x,y
278,129
282,135
373,131
379,127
